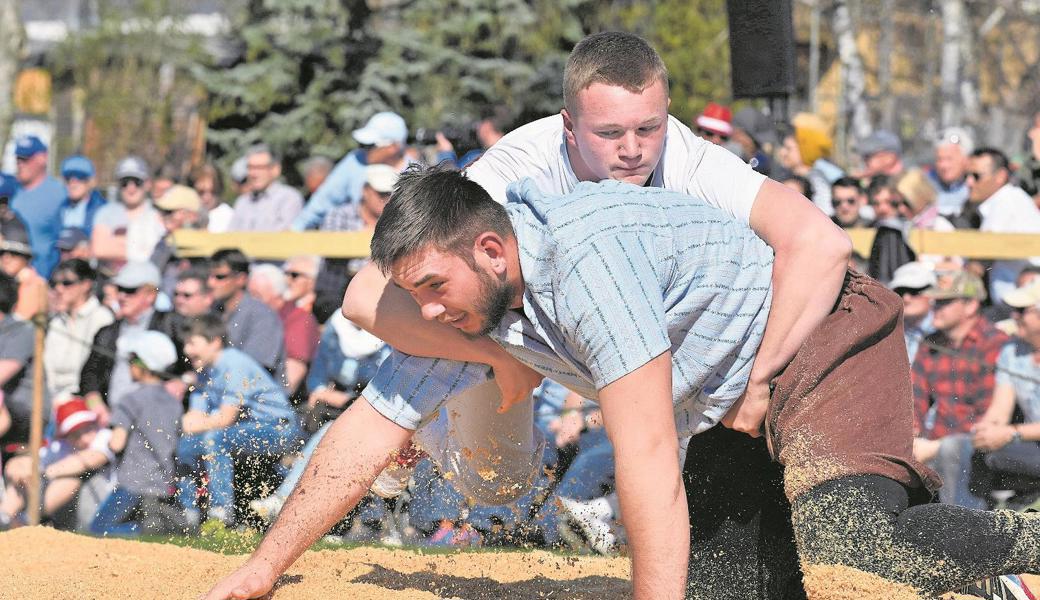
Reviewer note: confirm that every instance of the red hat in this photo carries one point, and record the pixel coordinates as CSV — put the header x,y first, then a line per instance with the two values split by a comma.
x,y
716,118
73,415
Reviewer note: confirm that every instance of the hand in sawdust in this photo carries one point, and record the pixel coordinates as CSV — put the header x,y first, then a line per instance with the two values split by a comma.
x,y
515,381
249,581
749,412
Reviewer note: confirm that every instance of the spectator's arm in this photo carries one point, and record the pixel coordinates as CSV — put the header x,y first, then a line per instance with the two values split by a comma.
x,y
32,294
76,464
106,244
5,420
197,421
1002,407
356,448
118,442
9,367
295,371
334,191
638,415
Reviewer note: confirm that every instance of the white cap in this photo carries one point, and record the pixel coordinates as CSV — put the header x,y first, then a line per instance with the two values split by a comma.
x,y
1024,297
913,275
137,273
383,129
381,177
154,349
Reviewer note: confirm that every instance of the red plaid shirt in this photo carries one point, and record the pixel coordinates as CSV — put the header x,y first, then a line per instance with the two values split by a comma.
x,y
951,391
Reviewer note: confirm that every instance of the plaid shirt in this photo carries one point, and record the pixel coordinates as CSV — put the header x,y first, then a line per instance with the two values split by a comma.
x,y
953,386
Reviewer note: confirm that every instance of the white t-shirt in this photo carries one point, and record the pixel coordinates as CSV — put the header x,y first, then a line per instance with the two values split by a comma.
x,y
143,232
688,164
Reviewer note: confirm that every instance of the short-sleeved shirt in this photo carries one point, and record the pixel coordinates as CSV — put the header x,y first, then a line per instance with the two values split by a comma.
x,y
151,417
16,343
256,330
614,276
272,209
143,232
40,209
1017,368
237,379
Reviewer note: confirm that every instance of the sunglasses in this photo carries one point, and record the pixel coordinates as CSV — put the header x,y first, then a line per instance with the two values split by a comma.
x,y
126,290
836,202
177,294
126,181
65,282
711,134
221,276
296,274
74,177
892,203
904,291
975,176
943,302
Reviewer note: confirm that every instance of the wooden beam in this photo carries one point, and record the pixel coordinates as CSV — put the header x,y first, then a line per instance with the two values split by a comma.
x,y
966,243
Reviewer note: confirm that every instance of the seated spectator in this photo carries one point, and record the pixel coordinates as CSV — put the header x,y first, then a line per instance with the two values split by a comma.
x,y
1003,316
252,326
164,178
270,205
129,229
805,152
910,282
799,184
949,177
74,243
179,208
919,206
1015,449
715,124
236,410
16,362
81,447
105,378
207,183
16,255
1029,173
72,328
145,427
848,200
192,296
755,135
301,273
315,170
882,154
38,202
953,381
267,283
890,249
82,199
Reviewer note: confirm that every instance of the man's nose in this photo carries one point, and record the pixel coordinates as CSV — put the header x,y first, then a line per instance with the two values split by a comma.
x,y
431,310
629,145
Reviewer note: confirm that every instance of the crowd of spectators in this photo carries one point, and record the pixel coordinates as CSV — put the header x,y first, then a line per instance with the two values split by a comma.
x,y
176,388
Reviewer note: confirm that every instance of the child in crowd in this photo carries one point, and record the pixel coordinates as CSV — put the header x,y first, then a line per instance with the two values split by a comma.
x,y
145,426
235,410
81,448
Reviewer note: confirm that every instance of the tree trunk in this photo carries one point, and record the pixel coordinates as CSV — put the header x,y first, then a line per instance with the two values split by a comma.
x,y
853,75
12,37
885,49
960,101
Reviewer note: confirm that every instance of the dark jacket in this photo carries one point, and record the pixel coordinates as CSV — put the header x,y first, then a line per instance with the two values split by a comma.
x,y
97,371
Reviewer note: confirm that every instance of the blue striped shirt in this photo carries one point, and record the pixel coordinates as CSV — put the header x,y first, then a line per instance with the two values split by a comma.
x,y
615,275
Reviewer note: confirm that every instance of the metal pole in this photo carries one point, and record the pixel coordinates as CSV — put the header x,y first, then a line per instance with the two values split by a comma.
x,y
814,55
36,425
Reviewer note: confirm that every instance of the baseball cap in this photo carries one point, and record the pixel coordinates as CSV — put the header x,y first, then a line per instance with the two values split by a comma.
x,y
78,167
137,273
133,166
74,415
154,349
913,275
239,170
381,177
28,145
15,238
716,118
880,141
70,237
964,285
179,197
1024,297
383,129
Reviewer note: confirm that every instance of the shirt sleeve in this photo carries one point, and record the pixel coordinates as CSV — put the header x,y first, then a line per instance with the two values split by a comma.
x,y
1005,364
17,342
611,308
339,187
101,444
123,413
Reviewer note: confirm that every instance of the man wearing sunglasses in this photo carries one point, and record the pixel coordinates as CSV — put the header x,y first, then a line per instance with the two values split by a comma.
x,y
128,230
82,199
909,282
38,202
848,200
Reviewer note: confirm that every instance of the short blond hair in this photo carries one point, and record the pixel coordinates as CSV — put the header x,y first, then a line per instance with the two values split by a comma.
x,y
915,188
614,58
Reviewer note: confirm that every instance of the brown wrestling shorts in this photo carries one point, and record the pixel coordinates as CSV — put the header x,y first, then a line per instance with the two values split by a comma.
x,y
844,404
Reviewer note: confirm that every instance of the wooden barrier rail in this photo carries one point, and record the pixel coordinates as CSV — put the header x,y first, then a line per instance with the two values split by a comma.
x,y
282,245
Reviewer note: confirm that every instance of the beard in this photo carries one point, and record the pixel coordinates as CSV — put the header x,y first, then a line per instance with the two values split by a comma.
x,y
493,302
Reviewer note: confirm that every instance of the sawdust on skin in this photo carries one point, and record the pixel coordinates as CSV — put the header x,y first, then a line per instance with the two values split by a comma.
x,y
51,564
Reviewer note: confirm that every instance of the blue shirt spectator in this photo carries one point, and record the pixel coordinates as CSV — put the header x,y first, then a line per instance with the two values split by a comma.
x,y
82,199
38,202
235,378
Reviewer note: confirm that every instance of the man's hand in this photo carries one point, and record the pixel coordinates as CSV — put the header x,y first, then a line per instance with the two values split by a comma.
x,y
749,412
98,407
249,581
567,427
925,449
515,381
194,421
992,436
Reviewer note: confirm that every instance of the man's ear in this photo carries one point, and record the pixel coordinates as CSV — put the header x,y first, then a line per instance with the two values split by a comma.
x,y
568,127
493,247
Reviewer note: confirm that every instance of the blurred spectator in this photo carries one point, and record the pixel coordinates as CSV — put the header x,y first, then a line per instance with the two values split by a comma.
x,y
919,202
239,173
910,282
315,170
882,154
1002,316
236,410
268,284
72,329
1029,172
381,141
82,199
16,363
301,273
127,230
8,188
192,296
208,185
270,205
890,249
105,377
953,382
164,178
15,257
81,447
252,327
715,124
799,184
754,135
488,130
847,199
38,202
74,243
178,208
949,177
144,434
805,152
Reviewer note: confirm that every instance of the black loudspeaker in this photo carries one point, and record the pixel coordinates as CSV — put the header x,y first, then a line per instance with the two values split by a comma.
x,y
761,48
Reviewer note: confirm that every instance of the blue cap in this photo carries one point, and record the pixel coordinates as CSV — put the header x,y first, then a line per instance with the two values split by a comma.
x,y
71,237
78,167
28,145
8,186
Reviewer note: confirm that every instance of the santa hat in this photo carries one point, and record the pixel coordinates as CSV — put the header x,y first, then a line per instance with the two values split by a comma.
x,y
717,119
74,415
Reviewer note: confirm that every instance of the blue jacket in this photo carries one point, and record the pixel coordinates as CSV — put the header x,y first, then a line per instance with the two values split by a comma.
x,y
94,202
